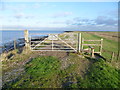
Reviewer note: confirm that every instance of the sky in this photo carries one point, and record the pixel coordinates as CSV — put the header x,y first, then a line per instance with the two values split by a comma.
x,y
75,16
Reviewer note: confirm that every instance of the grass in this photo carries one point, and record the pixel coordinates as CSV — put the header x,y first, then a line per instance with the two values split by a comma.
x,y
45,72
40,72
108,45
7,63
100,75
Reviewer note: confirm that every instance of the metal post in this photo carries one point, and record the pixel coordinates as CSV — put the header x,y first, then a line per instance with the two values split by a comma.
x,y
79,42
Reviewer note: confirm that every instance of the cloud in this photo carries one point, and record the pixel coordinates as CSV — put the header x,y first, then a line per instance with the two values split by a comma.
x,y
23,15
2,6
68,28
29,16
14,27
36,5
14,8
100,20
80,21
58,22
19,15
1,16
113,13
105,21
62,14
100,23
92,28
42,5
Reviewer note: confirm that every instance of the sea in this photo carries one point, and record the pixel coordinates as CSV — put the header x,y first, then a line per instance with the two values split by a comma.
x,y
7,36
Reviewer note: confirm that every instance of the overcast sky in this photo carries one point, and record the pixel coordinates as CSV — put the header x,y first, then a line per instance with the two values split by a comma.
x,y
59,15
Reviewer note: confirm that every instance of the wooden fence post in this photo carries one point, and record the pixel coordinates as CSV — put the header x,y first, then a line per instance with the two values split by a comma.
x,y
14,44
118,56
26,38
112,58
79,42
82,42
52,43
92,52
101,46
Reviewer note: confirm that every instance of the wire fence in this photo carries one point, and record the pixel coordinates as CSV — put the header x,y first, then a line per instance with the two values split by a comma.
x,y
111,55
15,44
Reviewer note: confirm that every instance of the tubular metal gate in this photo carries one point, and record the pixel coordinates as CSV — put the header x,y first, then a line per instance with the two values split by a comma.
x,y
54,42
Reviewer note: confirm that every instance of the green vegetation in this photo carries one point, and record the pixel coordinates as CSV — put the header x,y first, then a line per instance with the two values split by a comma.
x,y
71,71
40,72
108,45
100,75
45,72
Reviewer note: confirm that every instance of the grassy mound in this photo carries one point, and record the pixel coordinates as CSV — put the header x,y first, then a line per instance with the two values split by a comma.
x,y
45,72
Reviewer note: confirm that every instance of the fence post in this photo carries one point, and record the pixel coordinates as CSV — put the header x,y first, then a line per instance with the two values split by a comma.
x,y
112,56
101,46
79,42
26,38
118,56
82,42
92,52
14,44
52,43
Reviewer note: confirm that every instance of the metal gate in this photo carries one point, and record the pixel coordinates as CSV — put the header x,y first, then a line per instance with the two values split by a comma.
x,y
54,42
